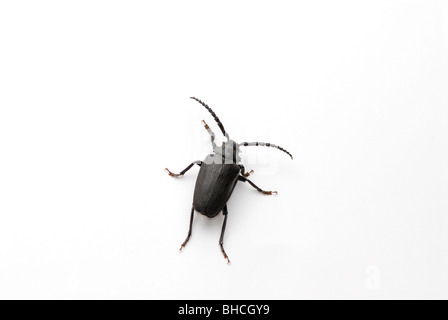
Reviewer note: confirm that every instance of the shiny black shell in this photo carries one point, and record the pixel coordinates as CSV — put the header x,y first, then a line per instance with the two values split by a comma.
x,y
214,186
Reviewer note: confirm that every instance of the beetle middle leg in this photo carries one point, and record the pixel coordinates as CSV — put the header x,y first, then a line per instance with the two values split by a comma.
x,y
221,238
199,163
189,230
244,179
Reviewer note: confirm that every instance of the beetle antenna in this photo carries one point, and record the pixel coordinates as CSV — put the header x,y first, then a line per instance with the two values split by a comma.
x,y
214,117
267,144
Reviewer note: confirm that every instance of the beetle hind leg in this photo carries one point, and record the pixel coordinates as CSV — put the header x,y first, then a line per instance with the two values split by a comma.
x,y
224,253
221,238
189,230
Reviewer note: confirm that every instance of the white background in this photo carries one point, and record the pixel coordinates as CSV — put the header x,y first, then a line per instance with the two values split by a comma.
x,y
94,104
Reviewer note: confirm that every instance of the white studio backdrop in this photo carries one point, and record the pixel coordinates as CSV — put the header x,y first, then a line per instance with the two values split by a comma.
x,y
94,105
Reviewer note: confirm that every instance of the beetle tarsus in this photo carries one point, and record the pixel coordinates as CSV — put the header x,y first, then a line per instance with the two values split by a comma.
x,y
181,247
248,173
184,243
172,174
224,253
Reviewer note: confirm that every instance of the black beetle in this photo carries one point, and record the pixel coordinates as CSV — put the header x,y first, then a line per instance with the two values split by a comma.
x,y
219,173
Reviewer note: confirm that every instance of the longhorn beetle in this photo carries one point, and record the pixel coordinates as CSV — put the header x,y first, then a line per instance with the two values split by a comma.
x,y
218,175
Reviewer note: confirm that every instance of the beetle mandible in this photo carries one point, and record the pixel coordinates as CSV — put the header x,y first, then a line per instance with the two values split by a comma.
x,y
218,175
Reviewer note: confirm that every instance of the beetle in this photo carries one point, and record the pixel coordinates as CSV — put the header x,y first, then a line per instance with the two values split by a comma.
x,y
218,175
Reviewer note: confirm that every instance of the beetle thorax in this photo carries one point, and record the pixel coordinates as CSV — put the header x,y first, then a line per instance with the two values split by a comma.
x,y
228,152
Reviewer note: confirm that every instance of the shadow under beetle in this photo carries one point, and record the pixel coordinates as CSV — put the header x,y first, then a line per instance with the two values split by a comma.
x,y
218,175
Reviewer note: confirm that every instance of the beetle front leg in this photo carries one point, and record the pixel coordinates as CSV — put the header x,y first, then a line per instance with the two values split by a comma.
x,y
212,134
244,179
199,163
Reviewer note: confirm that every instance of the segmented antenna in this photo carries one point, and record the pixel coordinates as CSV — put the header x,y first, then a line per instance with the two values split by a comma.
x,y
263,144
214,117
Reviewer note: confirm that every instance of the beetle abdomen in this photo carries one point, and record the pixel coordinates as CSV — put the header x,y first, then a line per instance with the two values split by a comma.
x,y
214,186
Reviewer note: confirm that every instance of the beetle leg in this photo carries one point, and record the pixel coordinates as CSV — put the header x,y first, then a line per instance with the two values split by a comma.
x,y
221,238
189,230
245,174
212,134
244,179
199,163
248,173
